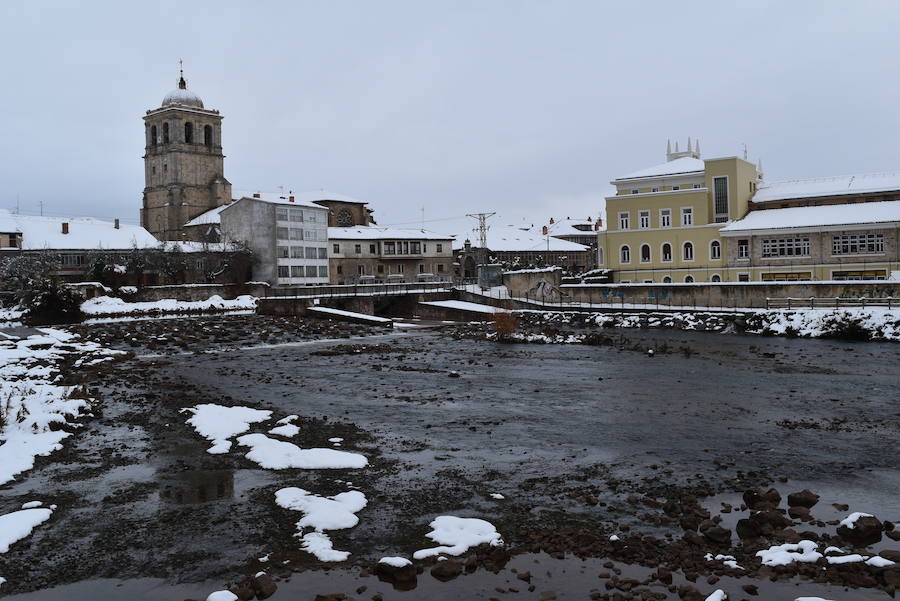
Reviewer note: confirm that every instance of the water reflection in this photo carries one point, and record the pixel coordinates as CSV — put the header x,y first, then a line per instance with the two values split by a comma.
x,y
196,486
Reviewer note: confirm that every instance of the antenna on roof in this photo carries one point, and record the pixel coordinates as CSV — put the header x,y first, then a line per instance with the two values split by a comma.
x,y
745,151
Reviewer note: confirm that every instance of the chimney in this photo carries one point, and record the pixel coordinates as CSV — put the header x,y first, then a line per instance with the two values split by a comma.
x,y
256,195
291,198
65,227
116,223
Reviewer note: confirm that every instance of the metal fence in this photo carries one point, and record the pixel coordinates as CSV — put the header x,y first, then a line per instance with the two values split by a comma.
x,y
346,290
830,303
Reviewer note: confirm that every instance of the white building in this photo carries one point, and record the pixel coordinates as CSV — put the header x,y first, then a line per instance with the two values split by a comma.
x,y
370,254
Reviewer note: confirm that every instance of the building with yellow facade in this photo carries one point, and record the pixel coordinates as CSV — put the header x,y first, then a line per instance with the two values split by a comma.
x,y
664,222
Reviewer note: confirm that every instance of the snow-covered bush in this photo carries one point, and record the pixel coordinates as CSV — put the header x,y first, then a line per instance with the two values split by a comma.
x,y
48,301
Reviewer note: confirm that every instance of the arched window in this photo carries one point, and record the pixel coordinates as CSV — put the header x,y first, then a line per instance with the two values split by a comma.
x,y
688,279
687,252
715,250
667,252
645,253
667,280
153,134
165,133
715,278
625,254
189,133
207,135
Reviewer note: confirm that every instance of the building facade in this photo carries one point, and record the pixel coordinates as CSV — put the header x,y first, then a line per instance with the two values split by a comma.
x,y
183,164
664,222
288,237
371,254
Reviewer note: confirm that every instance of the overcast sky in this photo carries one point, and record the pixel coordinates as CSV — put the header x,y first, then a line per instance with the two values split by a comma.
x,y
524,108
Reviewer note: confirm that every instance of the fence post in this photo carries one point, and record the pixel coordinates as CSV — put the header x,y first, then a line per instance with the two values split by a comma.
x,y
789,302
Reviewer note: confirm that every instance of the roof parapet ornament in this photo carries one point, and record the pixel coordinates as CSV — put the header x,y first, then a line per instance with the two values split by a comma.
x,y
693,150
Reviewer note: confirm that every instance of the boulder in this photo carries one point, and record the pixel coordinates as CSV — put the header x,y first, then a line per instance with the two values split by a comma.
x,y
891,554
716,534
799,512
757,499
689,593
446,570
243,590
866,531
264,586
804,498
390,573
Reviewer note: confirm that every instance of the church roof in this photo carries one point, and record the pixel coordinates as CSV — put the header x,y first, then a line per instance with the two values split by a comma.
x,y
181,96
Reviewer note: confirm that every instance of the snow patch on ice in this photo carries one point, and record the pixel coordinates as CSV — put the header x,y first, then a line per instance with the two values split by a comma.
x,y
285,430
396,562
780,555
19,524
320,514
218,423
455,535
280,455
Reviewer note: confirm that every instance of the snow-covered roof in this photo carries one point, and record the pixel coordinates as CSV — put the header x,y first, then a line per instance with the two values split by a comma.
x,y
566,227
682,166
826,215
373,232
208,218
299,197
85,233
827,186
514,239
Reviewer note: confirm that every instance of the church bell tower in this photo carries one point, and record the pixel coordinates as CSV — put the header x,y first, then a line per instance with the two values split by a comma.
x,y
183,163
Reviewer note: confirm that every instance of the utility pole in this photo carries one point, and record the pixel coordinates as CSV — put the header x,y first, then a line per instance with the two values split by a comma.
x,y
482,227
42,208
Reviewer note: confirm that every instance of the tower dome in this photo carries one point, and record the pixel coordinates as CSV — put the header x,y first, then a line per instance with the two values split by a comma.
x,y
182,96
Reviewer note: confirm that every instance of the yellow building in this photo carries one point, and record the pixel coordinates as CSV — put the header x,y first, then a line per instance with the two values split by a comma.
x,y
663,222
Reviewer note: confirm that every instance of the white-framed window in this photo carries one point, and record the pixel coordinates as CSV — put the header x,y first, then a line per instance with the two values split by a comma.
x,y
281,214
281,252
857,244
645,253
644,219
666,252
297,234
284,271
296,215
687,216
688,279
697,186
687,251
676,188
310,234
624,220
720,198
400,268
715,250
311,252
665,218
311,217
296,271
323,271
311,271
715,278
743,250
296,252
786,247
635,191
625,254
654,189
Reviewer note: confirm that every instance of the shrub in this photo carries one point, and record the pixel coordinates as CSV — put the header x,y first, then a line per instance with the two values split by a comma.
x,y
50,302
505,324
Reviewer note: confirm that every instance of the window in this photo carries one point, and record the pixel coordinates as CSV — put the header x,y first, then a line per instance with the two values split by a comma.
x,y
440,267
415,248
676,187
400,268
357,248
323,271
311,271
361,270
624,221
421,268
340,269
635,191
645,253
687,252
687,216
311,217
207,135
296,215
310,234
688,279
380,268
644,219
743,277
785,247
787,277
371,249
189,133
336,249
296,252
281,233
296,271
323,252
720,198
153,135
440,248
667,252
871,274
857,244
654,189
665,218
296,234
667,280
284,271
390,248
697,186
715,250
743,249
311,252
715,278
69,260
281,252
165,133
281,214
625,253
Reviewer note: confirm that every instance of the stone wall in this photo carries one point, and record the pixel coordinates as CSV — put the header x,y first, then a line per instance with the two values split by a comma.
x,y
534,283
196,292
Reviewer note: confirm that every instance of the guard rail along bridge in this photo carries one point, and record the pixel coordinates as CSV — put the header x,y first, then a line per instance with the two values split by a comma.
x,y
369,299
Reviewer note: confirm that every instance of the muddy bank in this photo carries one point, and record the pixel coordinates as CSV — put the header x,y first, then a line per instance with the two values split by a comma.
x,y
583,443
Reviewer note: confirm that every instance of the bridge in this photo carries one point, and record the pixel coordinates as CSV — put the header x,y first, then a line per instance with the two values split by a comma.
x,y
370,299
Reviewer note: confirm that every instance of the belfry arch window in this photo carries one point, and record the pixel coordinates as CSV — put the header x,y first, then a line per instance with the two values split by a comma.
x,y
207,135
165,133
189,133
153,135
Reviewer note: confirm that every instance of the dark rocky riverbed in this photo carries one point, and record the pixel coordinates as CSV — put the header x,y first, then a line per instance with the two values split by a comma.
x,y
583,442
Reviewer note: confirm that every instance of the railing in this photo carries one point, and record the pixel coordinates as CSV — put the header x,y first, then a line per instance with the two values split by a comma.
x,y
356,290
831,303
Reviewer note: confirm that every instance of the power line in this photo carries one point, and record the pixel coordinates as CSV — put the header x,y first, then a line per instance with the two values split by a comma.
x,y
482,226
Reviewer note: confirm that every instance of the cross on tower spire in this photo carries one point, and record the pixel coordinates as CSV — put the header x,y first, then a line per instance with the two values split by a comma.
x,y
182,84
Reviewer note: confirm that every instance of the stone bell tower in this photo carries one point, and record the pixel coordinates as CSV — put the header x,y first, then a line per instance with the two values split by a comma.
x,y
183,163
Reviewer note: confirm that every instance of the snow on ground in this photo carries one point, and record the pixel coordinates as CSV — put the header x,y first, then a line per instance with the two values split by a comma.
x,y
781,555
222,596
455,535
719,595
33,403
464,306
847,559
320,514
727,560
395,562
107,305
285,430
17,525
218,423
279,455
12,314
879,562
498,496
